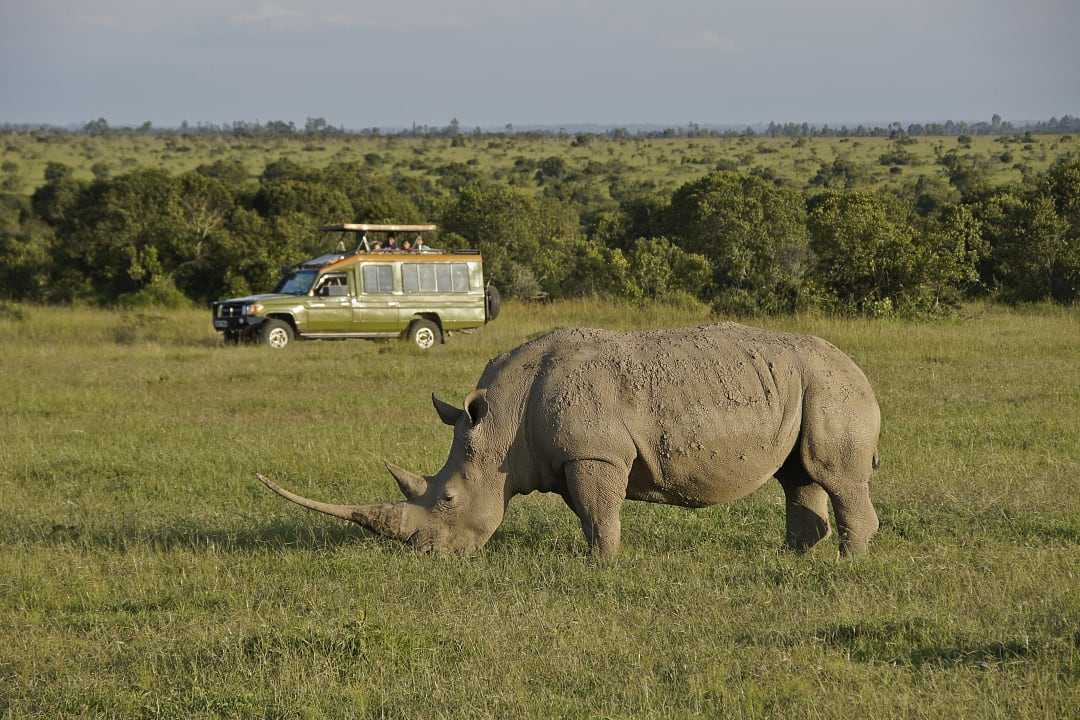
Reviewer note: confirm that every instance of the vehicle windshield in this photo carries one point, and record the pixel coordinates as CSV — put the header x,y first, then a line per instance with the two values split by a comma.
x,y
297,282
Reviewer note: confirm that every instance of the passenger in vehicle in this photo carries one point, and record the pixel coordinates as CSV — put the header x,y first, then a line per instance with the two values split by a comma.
x,y
406,246
391,244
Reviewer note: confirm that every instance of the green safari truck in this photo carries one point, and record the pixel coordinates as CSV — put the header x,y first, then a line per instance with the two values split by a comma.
x,y
391,285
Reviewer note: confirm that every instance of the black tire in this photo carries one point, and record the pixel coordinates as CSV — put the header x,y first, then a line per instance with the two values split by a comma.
x,y
493,302
424,334
276,334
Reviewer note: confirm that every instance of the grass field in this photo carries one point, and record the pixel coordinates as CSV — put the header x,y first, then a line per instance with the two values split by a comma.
x,y
663,164
144,572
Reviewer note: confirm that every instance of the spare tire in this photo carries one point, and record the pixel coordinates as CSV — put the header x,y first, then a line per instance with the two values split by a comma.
x,y
493,301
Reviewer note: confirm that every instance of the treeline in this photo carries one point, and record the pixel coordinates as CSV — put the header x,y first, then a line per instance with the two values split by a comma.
x,y
739,242
319,127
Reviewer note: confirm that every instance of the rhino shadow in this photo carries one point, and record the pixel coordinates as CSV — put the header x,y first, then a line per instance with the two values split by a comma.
x,y
278,535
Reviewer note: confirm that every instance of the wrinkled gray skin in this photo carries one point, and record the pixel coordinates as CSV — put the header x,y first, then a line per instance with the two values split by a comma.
x,y
690,417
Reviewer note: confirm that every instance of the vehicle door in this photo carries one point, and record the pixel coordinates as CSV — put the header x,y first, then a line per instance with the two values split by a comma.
x,y
375,308
441,288
329,308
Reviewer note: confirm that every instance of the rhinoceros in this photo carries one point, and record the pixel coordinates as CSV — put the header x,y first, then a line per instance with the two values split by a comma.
x,y
688,417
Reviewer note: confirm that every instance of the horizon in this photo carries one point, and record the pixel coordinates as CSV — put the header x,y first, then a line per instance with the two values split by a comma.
x,y
608,64
465,127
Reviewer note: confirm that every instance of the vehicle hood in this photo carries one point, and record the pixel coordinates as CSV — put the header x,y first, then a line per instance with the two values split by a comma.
x,y
264,297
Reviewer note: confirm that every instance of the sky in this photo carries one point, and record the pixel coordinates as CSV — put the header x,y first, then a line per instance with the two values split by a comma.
x,y
492,62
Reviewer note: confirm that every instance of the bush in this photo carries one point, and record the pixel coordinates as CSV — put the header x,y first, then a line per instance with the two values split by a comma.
x,y
660,269
516,231
161,293
876,265
1034,251
752,232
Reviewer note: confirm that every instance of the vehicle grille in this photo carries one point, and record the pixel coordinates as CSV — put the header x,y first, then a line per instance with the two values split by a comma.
x,y
230,311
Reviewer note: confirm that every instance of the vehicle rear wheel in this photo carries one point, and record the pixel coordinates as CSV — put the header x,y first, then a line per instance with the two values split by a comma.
x,y
424,334
492,302
276,334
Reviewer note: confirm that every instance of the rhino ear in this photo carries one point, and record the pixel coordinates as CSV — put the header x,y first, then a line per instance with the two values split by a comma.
x,y
476,406
447,412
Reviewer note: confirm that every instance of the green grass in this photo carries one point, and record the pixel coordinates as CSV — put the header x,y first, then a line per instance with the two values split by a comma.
x,y
144,572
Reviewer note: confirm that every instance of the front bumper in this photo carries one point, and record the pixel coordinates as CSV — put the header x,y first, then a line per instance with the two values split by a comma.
x,y
229,317
240,324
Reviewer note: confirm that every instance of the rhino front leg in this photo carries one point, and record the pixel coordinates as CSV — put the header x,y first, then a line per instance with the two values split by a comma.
x,y
595,491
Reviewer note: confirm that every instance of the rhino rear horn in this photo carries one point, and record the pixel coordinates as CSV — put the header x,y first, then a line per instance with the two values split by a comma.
x,y
447,412
411,484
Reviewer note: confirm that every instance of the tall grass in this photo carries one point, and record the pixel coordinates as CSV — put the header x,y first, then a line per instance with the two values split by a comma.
x,y
143,572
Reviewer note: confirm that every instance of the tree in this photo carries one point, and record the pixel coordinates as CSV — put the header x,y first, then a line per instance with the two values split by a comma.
x,y
101,170
753,234
96,127
551,168
1034,237
660,270
324,204
55,171
25,252
876,264
373,197
515,231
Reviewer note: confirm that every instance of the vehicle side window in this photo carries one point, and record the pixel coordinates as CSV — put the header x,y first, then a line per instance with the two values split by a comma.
x,y
333,285
427,278
442,277
435,277
379,279
461,277
410,279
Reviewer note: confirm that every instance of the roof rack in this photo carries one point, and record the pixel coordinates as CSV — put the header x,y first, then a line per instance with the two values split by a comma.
x,y
465,251
368,227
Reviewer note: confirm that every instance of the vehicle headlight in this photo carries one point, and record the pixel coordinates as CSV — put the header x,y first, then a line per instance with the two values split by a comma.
x,y
253,309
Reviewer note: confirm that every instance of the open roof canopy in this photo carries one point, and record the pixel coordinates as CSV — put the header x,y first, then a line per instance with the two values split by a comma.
x,y
367,227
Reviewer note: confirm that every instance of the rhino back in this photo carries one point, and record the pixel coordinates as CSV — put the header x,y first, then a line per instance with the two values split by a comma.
x,y
698,415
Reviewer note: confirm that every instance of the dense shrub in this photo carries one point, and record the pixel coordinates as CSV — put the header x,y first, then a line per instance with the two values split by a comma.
x,y
659,270
25,251
875,264
1034,238
752,232
515,230
742,242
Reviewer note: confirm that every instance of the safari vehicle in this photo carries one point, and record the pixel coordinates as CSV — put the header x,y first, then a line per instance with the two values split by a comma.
x,y
376,290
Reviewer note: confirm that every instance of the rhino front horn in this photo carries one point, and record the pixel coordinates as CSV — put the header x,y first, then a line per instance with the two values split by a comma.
x,y
385,519
411,484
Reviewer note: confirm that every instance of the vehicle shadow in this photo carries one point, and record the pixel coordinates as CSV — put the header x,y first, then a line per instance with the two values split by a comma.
x,y
280,535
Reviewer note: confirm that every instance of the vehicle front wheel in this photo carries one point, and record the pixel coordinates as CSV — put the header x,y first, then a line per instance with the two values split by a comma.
x,y
276,334
424,334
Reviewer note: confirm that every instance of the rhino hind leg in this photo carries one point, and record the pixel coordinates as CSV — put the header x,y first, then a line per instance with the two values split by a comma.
x,y
595,491
856,519
838,448
807,507
848,487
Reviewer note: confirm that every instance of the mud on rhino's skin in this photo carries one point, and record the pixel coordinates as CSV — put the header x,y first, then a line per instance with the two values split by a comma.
x,y
690,416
